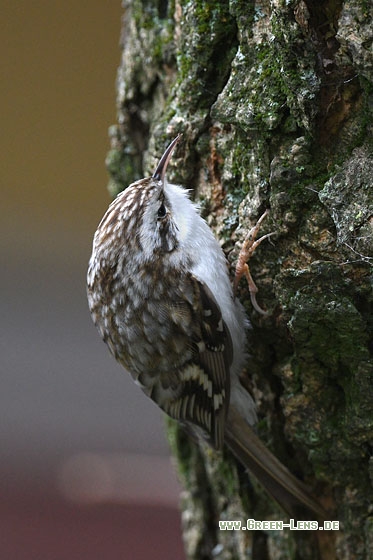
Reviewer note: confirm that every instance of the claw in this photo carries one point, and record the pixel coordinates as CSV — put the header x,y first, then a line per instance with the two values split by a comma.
x,y
242,268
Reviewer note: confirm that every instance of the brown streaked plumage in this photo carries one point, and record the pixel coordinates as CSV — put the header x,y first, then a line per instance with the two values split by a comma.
x,y
160,295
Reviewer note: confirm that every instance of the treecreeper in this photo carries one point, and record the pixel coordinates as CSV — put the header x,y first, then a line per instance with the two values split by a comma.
x,y
160,295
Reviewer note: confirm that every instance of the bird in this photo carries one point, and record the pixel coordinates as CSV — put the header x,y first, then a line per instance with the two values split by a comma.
x,y
160,294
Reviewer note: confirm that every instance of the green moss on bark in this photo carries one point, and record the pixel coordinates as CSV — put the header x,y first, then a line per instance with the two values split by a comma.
x,y
274,101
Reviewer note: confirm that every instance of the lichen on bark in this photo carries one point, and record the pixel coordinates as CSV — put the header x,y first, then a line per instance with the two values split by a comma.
x,y
274,100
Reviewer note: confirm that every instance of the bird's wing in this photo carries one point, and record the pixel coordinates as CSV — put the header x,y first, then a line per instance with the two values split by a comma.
x,y
201,395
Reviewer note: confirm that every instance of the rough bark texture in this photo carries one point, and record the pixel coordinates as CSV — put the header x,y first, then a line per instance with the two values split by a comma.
x,y
275,102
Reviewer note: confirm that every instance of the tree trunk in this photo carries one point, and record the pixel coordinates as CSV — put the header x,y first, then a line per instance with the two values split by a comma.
x,y
274,100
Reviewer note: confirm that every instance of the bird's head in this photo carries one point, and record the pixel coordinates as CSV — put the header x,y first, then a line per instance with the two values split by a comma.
x,y
148,219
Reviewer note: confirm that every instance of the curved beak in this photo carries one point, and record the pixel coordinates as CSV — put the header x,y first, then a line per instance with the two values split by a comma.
x,y
160,172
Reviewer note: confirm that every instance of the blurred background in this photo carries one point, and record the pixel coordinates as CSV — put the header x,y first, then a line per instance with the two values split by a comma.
x,y
84,464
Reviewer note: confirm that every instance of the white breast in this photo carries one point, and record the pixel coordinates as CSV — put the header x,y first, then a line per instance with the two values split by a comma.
x,y
209,266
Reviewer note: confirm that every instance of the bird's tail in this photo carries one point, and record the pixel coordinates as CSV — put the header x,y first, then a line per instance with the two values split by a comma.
x,y
292,494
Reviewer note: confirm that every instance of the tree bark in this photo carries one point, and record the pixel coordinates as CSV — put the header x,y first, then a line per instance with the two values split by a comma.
x,y
275,102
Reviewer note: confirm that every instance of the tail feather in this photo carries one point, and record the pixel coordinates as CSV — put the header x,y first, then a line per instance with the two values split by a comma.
x,y
285,488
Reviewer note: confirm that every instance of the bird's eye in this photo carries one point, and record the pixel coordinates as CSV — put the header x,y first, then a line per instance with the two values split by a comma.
x,y
162,211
